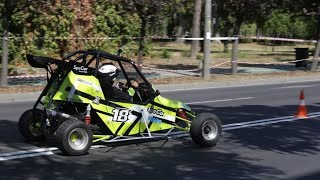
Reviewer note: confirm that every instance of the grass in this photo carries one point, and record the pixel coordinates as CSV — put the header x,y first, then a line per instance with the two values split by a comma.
x,y
177,53
172,54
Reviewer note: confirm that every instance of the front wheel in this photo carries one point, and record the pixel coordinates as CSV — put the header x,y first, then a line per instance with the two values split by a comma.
x,y
74,137
30,125
206,130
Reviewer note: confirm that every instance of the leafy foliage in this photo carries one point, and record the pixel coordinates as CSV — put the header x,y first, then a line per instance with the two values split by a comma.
x,y
281,24
45,27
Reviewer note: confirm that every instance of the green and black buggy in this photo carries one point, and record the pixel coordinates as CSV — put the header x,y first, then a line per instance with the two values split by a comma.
x,y
73,112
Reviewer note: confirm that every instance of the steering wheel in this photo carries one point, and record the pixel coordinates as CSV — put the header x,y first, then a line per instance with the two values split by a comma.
x,y
137,95
142,91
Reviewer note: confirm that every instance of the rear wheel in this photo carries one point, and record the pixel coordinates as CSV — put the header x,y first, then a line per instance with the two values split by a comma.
x,y
206,129
74,138
29,126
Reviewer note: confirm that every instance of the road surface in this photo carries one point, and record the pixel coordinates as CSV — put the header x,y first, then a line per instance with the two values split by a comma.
x,y
261,140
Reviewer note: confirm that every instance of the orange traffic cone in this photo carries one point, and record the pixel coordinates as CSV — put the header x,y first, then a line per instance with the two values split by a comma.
x,y
302,109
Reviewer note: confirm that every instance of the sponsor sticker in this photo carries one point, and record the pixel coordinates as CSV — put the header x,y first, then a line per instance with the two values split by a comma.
x,y
154,119
80,69
158,112
84,81
97,88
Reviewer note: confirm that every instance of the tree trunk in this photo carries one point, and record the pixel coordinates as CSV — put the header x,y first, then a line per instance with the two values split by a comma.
x,y
177,22
315,61
196,29
259,28
225,46
5,53
141,42
179,32
237,26
216,22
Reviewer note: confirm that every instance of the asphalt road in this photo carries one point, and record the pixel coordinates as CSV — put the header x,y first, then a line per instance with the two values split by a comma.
x,y
276,147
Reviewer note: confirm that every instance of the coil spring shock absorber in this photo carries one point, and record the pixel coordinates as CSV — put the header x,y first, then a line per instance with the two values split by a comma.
x,y
182,114
181,123
87,117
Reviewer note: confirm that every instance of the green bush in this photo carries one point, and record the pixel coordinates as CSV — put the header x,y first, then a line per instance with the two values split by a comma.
x,y
165,54
281,24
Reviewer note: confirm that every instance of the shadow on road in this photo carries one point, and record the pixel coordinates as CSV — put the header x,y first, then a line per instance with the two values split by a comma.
x,y
179,159
300,136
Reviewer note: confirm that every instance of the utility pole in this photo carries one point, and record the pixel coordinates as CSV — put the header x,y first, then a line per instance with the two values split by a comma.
x,y
196,29
5,52
206,40
4,62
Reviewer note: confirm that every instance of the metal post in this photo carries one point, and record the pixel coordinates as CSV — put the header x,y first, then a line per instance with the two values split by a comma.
x,y
234,64
315,61
4,62
206,41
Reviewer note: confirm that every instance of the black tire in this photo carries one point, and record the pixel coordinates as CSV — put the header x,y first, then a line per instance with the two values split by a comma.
x,y
206,130
74,138
30,127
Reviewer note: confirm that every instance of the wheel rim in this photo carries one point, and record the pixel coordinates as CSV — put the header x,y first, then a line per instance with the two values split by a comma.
x,y
78,139
209,130
35,128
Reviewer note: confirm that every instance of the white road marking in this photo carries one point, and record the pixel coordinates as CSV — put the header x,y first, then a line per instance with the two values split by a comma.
x,y
297,86
267,120
28,151
222,100
267,123
227,127
18,100
219,100
231,86
34,153
191,89
22,156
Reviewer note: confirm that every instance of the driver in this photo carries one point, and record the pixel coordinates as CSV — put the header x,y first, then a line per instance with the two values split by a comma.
x,y
108,73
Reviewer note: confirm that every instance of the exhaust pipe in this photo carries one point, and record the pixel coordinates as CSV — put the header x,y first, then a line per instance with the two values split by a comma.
x,y
56,114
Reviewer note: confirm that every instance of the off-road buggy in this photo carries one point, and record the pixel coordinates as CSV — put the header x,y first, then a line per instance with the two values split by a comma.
x,y
73,111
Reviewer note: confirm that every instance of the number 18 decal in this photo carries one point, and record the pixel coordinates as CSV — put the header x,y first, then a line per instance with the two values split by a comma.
x,y
123,115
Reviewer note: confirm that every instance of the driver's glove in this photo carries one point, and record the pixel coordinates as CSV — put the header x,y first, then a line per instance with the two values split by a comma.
x,y
119,85
131,91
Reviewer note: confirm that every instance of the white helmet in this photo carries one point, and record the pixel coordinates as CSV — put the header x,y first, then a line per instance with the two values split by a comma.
x,y
110,70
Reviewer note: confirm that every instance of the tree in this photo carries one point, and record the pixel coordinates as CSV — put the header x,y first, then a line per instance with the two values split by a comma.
x,y
263,10
315,11
309,8
196,28
50,26
278,25
283,24
232,14
146,10
82,26
111,20
181,11
7,9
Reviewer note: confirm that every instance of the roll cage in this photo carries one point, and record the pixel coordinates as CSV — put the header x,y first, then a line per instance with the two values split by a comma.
x,y
90,59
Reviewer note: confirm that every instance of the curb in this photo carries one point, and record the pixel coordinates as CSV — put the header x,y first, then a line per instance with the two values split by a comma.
x,y
187,86
235,83
19,97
